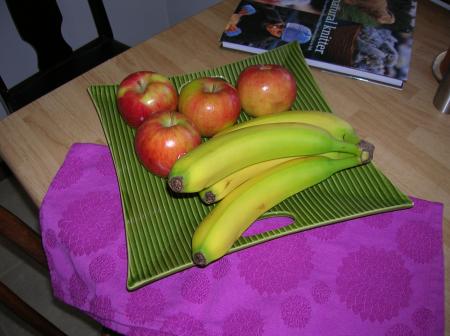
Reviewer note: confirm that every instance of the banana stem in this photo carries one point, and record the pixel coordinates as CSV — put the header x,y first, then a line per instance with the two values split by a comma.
x,y
176,183
209,197
199,259
367,151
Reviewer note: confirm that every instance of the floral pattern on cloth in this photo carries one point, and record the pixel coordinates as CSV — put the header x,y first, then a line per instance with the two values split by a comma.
x,y
379,275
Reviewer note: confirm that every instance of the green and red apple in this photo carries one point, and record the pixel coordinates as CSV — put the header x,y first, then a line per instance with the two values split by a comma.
x,y
143,93
162,139
266,89
211,103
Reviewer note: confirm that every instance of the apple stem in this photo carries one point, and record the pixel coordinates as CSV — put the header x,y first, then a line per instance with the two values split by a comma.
x,y
176,183
210,88
142,86
172,119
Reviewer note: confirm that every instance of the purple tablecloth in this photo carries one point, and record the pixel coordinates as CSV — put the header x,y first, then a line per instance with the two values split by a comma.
x,y
379,275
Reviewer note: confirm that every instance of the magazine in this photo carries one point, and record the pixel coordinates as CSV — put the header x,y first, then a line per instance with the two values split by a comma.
x,y
363,39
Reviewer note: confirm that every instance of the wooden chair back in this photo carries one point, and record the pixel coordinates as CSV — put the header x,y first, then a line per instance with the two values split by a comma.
x,y
39,24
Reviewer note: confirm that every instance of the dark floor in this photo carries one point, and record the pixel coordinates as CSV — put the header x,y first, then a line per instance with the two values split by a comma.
x,y
28,281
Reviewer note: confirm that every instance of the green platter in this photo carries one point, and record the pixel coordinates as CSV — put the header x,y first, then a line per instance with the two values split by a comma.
x,y
159,225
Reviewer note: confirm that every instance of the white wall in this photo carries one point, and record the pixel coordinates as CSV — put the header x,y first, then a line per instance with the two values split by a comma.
x,y
132,21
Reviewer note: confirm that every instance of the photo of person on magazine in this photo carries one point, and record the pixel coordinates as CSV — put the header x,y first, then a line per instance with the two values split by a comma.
x,y
289,31
264,26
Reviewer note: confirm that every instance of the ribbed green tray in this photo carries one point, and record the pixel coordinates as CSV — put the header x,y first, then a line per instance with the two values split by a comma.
x,y
159,224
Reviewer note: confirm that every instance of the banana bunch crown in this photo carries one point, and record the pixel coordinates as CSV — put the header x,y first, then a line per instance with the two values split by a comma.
x,y
254,165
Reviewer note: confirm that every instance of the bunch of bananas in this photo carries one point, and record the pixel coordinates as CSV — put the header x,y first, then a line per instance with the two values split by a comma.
x,y
252,166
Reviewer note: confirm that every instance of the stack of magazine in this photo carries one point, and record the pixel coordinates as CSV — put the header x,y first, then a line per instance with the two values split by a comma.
x,y
364,39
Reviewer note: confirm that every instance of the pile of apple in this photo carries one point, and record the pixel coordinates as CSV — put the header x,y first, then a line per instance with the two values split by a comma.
x,y
169,124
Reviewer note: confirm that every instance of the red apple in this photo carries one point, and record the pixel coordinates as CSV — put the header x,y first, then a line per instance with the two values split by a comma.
x,y
211,103
265,89
143,93
162,139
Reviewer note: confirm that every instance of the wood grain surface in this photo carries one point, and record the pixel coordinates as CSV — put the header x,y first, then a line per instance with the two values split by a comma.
x,y
412,137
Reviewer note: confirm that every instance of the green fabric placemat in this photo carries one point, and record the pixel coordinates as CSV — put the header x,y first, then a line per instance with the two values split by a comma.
x,y
159,224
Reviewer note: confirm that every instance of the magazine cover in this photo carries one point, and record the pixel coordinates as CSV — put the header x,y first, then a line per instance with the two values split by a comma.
x,y
369,36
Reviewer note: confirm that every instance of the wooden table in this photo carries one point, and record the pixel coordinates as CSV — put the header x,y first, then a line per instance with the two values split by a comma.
x,y
412,138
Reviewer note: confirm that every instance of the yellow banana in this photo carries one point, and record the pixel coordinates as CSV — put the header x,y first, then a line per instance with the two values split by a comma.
x,y
336,126
235,213
220,189
221,156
